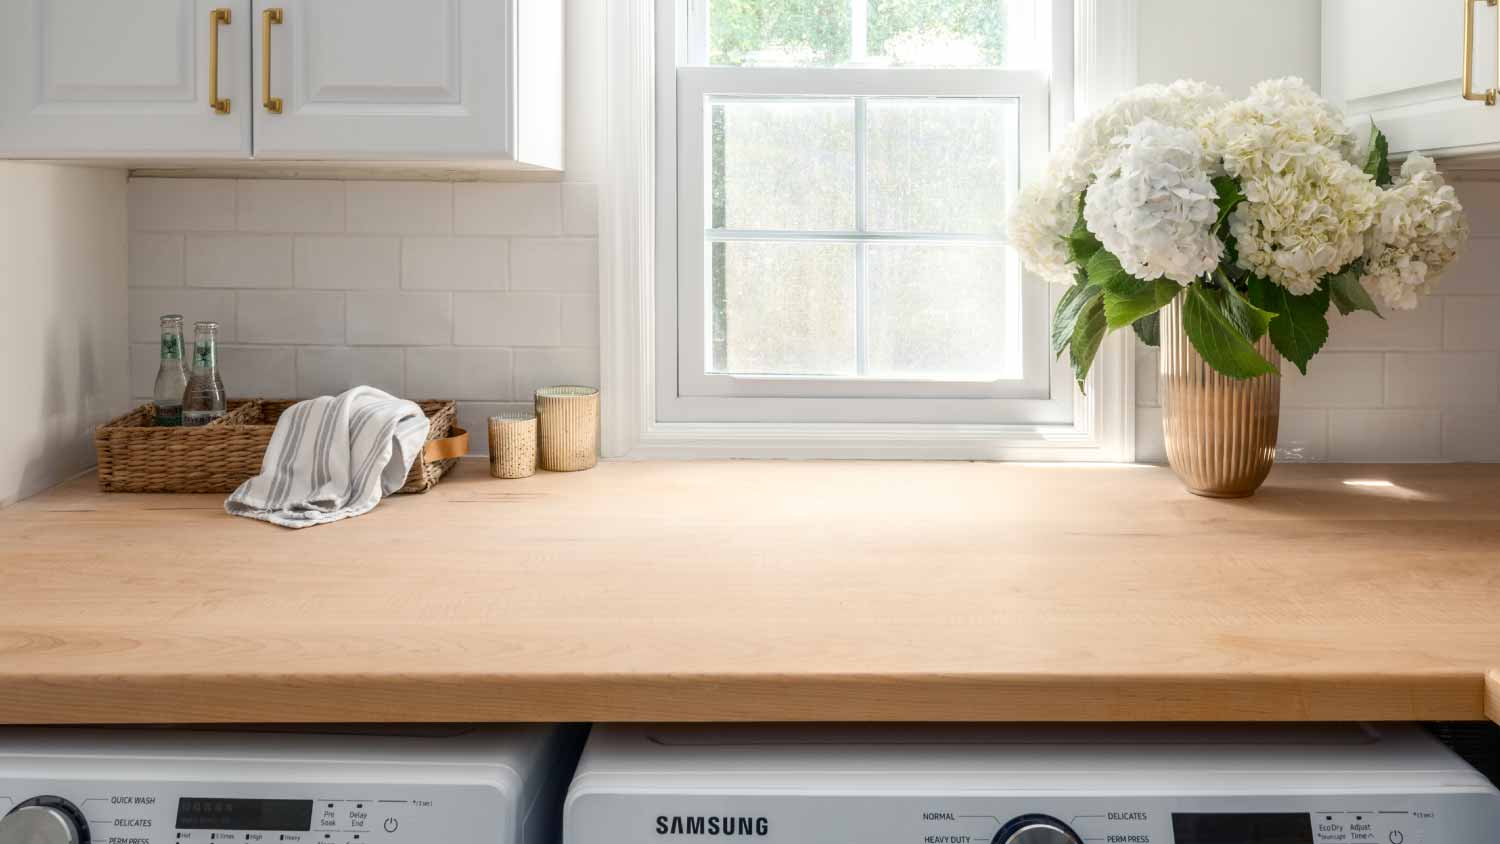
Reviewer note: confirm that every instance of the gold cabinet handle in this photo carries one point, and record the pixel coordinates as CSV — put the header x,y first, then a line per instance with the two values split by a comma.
x,y
269,18
1488,96
217,18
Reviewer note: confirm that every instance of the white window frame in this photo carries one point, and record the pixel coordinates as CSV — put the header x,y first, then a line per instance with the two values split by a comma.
x,y
639,240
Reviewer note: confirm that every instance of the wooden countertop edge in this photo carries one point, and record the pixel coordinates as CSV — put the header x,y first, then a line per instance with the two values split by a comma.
x,y
162,698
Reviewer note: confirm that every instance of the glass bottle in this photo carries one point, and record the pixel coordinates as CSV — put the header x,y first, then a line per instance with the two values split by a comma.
x,y
203,401
171,376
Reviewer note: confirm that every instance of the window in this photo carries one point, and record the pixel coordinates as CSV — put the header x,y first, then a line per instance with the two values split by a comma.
x,y
843,168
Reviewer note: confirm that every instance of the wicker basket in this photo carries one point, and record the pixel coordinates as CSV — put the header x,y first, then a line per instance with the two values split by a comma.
x,y
136,456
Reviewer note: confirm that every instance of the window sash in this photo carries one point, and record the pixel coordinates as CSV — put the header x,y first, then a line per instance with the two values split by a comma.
x,y
1026,396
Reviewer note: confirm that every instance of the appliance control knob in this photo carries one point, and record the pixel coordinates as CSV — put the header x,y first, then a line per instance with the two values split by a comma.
x,y
1036,829
40,825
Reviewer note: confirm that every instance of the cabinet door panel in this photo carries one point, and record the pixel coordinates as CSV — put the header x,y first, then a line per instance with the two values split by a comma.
x,y
1402,67
387,80
128,80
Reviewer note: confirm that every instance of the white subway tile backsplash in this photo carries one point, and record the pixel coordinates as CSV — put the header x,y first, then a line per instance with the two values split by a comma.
x,y
522,208
258,372
1477,270
408,286
155,260
580,321
239,261
1442,379
1481,201
507,319
400,207
580,202
1400,330
400,319
289,206
147,307
181,205
1335,379
1302,436
563,265
145,359
290,317
347,263
1471,435
1400,435
477,374
536,368
1471,322
328,372
455,263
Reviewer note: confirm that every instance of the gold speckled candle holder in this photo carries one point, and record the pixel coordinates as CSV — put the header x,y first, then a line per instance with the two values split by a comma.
x,y
568,428
513,445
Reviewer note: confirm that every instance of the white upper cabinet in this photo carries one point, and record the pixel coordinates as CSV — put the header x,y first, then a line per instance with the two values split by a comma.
x,y
90,79
403,80
445,82
1401,63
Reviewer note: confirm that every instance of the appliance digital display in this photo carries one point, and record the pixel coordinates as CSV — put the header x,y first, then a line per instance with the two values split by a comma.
x,y
254,815
1242,829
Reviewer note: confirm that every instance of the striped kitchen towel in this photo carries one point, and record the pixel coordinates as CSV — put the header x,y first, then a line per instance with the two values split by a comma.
x,y
333,457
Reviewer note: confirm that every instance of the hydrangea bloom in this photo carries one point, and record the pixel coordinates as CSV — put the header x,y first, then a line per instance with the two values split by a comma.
x,y
1153,206
1279,114
1305,214
1418,231
1044,212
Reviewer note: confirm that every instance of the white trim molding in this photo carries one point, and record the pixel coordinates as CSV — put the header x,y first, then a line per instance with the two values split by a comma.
x,y
1103,37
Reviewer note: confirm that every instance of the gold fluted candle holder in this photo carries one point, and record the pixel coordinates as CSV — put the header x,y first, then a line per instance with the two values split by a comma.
x,y
567,428
513,445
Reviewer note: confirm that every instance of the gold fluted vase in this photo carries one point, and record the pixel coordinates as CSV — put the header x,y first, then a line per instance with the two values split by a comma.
x,y
1220,431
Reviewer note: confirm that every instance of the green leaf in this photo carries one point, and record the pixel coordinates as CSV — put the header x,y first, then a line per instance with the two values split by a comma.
x,y
1301,325
1088,334
1127,299
1103,267
1378,161
1069,307
1348,294
1081,243
1148,328
1252,321
1207,316
1230,196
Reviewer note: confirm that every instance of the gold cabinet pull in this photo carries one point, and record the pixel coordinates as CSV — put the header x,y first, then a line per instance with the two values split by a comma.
x,y
217,18
269,18
1490,95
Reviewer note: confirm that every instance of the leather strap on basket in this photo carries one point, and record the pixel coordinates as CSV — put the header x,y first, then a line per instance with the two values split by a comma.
x,y
447,448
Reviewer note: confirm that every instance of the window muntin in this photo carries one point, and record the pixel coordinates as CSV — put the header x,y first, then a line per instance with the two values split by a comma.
x,y
859,237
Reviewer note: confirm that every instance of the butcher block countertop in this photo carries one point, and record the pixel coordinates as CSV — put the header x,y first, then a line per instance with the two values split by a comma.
x,y
764,591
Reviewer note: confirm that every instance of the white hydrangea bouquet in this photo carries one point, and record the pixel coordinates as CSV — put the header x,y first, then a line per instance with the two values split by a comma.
x,y
1259,213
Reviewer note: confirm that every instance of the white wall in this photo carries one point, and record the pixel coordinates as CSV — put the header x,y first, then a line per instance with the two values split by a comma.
x,y
473,291
62,324
1231,43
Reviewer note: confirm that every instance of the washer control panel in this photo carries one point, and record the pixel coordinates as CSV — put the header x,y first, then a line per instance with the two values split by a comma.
x,y
162,812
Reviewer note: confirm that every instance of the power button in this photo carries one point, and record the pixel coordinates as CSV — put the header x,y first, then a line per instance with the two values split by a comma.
x,y
391,824
1397,837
